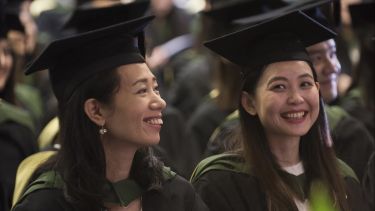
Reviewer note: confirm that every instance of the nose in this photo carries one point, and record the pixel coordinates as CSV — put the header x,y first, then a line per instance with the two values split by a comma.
x,y
295,97
158,103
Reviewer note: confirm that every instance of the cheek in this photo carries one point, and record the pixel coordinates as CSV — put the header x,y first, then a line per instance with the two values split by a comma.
x,y
7,63
314,103
120,118
268,106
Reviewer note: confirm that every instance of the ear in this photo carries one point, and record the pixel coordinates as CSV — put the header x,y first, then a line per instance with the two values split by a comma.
x,y
248,103
94,111
317,85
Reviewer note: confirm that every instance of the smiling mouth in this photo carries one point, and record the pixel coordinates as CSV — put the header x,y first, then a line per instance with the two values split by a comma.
x,y
154,121
294,115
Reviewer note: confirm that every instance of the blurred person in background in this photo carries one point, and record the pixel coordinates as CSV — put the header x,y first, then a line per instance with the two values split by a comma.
x,y
17,128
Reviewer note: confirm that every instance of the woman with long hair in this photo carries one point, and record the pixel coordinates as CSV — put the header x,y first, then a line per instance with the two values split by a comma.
x,y
110,113
17,138
286,161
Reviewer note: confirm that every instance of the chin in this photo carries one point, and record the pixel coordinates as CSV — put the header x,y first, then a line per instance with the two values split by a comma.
x,y
151,142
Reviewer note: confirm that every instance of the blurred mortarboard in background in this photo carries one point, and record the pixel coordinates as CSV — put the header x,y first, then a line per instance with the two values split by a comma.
x,y
233,10
325,13
281,39
86,19
302,5
219,17
72,60
2,19
362,14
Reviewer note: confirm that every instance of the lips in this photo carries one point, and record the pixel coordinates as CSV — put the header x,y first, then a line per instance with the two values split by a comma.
x,y
294,115
154,120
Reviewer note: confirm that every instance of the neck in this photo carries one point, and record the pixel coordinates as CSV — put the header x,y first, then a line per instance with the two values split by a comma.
x,y
285,150
119,159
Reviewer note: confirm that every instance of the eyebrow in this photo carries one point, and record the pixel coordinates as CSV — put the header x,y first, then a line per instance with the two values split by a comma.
x,y
280,78
143,80
277,78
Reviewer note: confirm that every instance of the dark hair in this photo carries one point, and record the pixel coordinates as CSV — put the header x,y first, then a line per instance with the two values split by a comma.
x,y
7,93
81,159
318,158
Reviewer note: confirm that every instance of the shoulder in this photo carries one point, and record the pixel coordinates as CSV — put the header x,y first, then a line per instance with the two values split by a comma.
x,y
177,185
39,189
223,162
174,184
11,113
177,194
335,114
346,171
44,200
229,190
356,195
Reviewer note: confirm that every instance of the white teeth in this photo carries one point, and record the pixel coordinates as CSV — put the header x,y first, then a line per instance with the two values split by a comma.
x,y
155,121
295,115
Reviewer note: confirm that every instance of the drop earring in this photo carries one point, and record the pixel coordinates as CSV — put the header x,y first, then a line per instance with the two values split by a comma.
x,y
102,130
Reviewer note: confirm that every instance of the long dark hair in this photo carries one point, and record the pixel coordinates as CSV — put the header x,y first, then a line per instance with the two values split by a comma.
x,y
318,157
81,159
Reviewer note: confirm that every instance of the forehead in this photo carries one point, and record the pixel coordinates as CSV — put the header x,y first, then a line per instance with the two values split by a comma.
x,y
286,69
130,73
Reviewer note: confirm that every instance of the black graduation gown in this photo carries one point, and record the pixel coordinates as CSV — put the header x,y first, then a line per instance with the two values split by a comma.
x,y
353,143
204,121
17,141
173,149
191,84
227,190
176,194
352,102
368,182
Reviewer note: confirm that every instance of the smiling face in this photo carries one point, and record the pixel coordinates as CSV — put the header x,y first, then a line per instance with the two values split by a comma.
x,y
286,99
327,67
135,115
6,62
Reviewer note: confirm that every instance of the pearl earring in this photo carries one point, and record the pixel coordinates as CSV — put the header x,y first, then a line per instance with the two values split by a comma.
x,y
102,130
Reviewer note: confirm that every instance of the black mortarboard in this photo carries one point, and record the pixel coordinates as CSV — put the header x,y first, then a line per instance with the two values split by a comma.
x,y
219,18
277,11
86,19
238,9
2,20
74,59
280,39
362,14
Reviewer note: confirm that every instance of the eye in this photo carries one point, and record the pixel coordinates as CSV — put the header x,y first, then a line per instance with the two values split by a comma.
x,y
316,58
142,91
306,84
278,87
156,90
